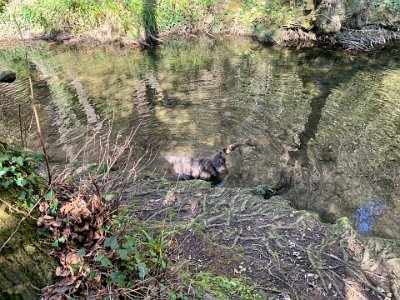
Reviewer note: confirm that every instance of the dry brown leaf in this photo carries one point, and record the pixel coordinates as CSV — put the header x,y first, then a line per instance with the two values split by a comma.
x,y
66,281
97,278
83,228
72,259
357,249
62,272
43,207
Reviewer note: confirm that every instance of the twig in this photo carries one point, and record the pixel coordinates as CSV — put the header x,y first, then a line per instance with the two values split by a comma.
x,y
32,96
15,209
22,220
20,125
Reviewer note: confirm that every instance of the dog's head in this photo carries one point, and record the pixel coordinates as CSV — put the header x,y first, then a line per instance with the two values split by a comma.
x,y
218,161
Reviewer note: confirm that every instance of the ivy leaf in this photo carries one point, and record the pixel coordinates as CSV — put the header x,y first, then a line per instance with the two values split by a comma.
x,y
4,171
123,254
22,195
105,262
59,241
19,160
49,195
81,253
4,157
118,278
21,182
42,232
111,242
129,244
98,258
6,184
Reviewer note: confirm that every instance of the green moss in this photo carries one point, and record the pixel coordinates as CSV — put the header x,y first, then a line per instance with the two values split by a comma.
x,y
24,264
221,286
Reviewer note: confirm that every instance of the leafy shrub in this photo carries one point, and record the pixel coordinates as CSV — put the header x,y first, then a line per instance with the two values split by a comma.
x,y
17,172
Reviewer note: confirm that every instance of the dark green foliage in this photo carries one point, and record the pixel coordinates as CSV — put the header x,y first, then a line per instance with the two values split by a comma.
x,y
17,173
133,257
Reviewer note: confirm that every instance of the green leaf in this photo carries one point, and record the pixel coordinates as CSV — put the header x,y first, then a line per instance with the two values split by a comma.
x,y
6,184
4,157
111,242
172,295
40,157
123,254
53,207
21,182
59,241
108,282
142,270
129,243
49,195
103,168
118,278
3,171
42,232
108,197
19,160
22,195
92,275
76,266
98,258
81,252
105,262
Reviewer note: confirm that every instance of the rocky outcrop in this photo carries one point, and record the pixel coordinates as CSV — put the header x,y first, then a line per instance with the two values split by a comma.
x,y
351,24
332,16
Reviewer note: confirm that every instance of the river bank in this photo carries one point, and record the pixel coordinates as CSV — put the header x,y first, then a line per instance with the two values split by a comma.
x,y
350,24
216,243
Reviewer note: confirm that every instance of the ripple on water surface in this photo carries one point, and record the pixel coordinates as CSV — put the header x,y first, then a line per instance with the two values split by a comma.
x,y
326,126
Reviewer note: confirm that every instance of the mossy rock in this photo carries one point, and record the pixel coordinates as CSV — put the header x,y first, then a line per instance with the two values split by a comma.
x,y
25,264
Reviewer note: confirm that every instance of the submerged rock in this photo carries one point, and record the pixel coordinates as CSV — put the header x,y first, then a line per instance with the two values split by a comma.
x,y
7,76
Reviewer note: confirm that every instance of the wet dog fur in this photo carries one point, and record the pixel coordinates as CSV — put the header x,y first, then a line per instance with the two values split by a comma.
x,y
186,168
213,168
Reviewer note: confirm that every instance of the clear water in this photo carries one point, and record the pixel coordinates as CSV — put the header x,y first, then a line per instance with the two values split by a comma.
x,y
326,124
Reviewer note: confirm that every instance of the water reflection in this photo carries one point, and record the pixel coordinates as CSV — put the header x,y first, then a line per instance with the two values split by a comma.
x,y
326,125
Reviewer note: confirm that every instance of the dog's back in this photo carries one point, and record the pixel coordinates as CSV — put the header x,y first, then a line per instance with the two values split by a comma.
x,y
191,168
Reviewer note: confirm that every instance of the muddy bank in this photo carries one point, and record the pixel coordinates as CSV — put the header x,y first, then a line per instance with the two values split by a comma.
x,y
281,252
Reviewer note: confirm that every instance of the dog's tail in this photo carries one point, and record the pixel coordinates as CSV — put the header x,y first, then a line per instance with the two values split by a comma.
x,y
231,147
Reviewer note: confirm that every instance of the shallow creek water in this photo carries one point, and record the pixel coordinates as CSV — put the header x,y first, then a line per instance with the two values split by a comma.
x,y
326,125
